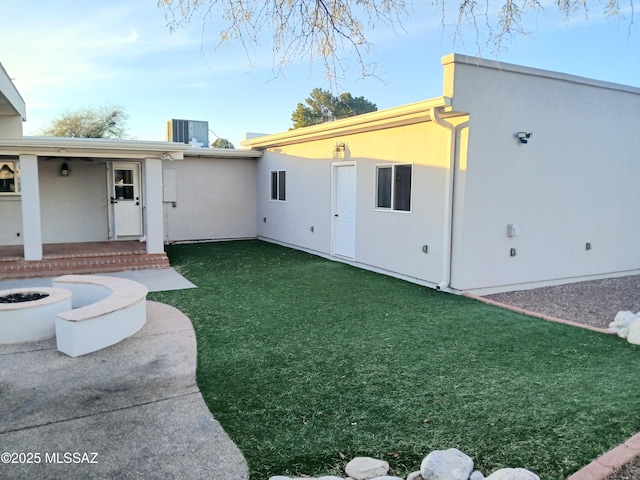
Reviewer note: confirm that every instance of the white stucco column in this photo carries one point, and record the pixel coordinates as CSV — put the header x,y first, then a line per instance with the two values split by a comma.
x,y
154,219
31,224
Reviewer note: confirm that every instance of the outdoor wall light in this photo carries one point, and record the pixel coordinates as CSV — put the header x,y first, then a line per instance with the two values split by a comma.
x,y
524,136
338,150
64,170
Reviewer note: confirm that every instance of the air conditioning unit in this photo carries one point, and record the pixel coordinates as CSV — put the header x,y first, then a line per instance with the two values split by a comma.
x,y
184,131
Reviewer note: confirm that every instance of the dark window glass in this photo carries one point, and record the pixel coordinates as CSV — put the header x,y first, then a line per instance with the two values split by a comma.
x,y
7,177
384,187
279,185
274,185
402,188
282,185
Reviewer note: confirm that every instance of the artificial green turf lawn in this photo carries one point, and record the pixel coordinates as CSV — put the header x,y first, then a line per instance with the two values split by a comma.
x,y
308,363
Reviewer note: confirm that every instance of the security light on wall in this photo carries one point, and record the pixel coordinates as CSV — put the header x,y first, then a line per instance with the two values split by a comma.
x,y
64,170
338,150
524,136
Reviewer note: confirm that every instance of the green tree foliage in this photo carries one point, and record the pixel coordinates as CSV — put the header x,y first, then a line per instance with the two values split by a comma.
x,y
106,121
222,143
322,106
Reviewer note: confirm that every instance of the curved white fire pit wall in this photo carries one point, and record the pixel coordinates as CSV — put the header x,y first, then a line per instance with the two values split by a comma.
x,y
109,309
34,320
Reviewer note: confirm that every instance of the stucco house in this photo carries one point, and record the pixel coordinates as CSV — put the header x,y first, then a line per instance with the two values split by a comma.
x,y
513,178
76,205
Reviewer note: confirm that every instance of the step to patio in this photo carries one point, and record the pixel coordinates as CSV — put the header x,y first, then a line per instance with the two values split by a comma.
x,y
12,268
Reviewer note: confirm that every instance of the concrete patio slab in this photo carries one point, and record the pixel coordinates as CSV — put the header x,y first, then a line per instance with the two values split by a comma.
x,y
135,404
156,280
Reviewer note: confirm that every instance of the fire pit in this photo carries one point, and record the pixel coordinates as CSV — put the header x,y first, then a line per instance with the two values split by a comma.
x,y
28,314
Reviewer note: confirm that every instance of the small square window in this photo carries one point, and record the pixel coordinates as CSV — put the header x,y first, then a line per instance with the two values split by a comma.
x,y
9,178
279,185
393,187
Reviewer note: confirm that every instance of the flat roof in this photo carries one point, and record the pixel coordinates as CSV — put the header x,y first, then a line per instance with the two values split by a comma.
x,y
11,102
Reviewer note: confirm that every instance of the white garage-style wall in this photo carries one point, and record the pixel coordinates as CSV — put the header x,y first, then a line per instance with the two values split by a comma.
x,y
210,195
572,190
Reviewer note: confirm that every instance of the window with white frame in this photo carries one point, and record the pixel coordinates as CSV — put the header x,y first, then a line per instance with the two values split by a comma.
x,y
9,177
278,185
393,187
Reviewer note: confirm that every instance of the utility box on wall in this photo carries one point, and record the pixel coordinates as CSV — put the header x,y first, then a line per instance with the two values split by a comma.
x,y
183,131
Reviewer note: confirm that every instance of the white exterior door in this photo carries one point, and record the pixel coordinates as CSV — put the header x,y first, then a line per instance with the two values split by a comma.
x,y
345,210
125,199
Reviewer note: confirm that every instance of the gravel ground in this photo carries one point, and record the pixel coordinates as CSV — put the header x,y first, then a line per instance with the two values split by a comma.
x,y
630,471
594,303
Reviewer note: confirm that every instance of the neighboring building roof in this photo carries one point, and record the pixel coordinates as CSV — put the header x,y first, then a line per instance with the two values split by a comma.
x,y
11,103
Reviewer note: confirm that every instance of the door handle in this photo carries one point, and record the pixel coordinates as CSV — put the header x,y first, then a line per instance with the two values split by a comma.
x,y
336,215
113,200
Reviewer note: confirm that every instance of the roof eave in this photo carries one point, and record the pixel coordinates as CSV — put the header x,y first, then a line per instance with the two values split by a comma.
x,y
396,116
223,153
95,147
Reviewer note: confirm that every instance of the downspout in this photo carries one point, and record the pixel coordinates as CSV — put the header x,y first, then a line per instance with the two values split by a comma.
x,y
447,235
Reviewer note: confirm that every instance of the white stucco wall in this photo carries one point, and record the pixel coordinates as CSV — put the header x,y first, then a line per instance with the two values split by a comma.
x,y
575,182
73,208
388,241
11,215
10,126
215,199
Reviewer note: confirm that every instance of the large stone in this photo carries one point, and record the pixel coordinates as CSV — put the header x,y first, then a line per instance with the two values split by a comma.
x,y
449,464
326,477
477,475
623,319
415,476
365,468
622,332
634,333
512,474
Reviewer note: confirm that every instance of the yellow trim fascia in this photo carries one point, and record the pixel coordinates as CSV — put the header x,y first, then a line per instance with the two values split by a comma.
x,y
391,117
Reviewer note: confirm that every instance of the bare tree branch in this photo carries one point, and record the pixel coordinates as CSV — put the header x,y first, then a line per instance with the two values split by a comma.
x,y
334,31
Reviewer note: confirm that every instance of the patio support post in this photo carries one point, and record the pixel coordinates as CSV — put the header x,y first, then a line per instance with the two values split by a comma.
x,y
31,224
154,219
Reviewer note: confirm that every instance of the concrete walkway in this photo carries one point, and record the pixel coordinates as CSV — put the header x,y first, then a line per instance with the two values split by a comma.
x,y
130,411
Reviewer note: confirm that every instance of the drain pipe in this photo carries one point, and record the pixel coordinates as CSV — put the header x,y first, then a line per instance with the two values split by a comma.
x,y
435,114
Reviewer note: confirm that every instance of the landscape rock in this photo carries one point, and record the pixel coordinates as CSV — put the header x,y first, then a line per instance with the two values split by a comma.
x,y
512,474
366,468
634,333
449,464
415,476
622,332
326,477
623,319
477,475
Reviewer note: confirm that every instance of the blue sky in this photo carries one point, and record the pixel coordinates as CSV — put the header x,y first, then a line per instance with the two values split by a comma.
x,y
69,54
